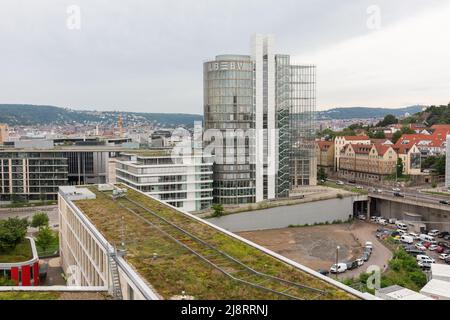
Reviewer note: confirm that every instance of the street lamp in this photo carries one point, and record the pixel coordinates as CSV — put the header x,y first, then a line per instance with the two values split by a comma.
x,y
337,259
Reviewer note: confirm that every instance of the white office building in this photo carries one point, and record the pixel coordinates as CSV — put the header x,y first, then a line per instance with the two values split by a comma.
x,y
183,181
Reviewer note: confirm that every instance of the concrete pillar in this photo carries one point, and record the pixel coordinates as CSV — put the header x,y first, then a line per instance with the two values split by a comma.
x,y
368,208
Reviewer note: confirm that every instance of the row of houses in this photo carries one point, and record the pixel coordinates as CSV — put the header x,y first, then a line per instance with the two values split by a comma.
x,y
362,158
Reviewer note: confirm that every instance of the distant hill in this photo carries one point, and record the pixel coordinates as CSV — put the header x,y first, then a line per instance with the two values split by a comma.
x,y
365,113
25,114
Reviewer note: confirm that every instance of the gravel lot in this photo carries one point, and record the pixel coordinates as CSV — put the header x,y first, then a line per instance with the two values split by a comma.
x,y
315,247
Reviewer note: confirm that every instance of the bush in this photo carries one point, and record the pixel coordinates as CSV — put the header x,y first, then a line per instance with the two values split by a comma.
x,y
340,196
218,210
40,219
12,232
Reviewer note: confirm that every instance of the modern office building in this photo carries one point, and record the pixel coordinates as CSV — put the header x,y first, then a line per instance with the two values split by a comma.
x,y
33,170
270,103
183,181
31,175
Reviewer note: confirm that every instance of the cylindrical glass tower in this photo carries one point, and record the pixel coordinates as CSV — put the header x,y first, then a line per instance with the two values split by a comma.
x,y
229,106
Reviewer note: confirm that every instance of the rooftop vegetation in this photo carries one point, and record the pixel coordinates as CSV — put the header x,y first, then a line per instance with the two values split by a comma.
x,y
172,269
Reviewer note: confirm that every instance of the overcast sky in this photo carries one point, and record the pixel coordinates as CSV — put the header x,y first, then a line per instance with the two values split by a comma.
x,y
147,55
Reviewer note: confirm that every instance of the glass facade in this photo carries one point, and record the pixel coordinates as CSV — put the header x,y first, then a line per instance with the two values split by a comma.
x,y
228,105
302,119
267,93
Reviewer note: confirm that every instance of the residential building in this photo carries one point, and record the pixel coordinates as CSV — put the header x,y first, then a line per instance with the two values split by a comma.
x,y
447,163
4,133
341,141
183,181
366,162
325,155
271,103
411,158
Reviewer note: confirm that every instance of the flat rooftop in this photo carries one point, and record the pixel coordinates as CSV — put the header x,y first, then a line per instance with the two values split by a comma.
x,y
179,254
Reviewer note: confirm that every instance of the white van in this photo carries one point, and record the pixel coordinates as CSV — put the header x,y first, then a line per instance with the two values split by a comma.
x,y
407,239
425,237
401,225
338,268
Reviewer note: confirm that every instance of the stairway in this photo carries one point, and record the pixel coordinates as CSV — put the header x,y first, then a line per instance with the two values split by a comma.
x,y
116,287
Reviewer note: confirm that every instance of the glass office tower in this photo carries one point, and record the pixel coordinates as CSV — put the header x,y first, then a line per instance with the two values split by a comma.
x,y
264,93
229,106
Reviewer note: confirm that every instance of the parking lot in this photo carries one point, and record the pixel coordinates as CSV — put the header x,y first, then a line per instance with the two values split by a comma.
x,y
432,243
315,246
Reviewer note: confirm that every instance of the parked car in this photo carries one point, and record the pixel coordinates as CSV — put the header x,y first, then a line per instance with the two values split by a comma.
x,y
414,235
381,221
444,256
447,237
420,246
433,247
444,202
362,217
396,189
407,239
424,265
392,220
373,219
433,233
426,237
414,252
339,182
338,268
365,256
323,272
447,260
368,245
401,232
352,265
439,249
400,225
360,262
443,234
425,258
398,194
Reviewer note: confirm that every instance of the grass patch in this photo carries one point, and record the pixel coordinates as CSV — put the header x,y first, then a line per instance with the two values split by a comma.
x,y
29,295
344,187
437,193
326,223
22,252
176,269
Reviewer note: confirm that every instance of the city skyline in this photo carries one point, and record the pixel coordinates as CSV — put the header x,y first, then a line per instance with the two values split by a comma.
x,y
361,51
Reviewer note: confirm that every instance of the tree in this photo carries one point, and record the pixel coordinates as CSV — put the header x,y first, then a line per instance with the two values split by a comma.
x,y
45,238
439,165
388,119
396,136
39,220
218,210
399,167
12,232
321,174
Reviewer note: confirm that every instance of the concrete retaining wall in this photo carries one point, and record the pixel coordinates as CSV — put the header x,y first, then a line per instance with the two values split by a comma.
x,y
281,217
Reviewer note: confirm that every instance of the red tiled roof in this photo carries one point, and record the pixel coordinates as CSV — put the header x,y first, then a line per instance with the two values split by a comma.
x,y
353,138
324,145
381,148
